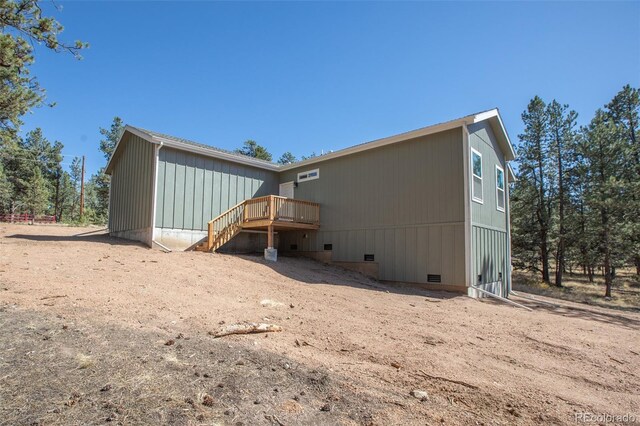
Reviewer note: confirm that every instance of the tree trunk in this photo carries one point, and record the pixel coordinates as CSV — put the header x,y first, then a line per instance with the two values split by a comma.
x,y
56,204
607,273
560,252
544,254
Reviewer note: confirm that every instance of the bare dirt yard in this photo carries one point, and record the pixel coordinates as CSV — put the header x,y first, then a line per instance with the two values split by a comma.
x,y
96,330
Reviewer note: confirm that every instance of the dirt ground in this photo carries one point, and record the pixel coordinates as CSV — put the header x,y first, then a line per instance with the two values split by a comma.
x,y
625,294
95,330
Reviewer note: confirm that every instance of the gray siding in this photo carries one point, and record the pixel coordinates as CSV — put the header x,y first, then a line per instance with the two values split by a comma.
x,y
404,203
489,225
490,255
193,189
131,197
481,139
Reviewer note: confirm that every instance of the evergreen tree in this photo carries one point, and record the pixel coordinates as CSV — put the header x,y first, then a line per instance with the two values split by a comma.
x,y
603,151
252,149
100,182
111,137
287,158
532,191
6,191
561,136
22,27
624,111
36,195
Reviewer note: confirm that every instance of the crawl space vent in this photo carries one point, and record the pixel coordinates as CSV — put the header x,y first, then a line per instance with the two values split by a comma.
x,y
328,246
368,258
433,278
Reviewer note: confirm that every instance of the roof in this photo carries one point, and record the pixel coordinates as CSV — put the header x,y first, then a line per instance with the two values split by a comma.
x,y
492,116
191,146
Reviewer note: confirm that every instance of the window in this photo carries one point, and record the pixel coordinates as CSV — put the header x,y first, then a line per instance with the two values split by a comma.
x,y
499,188
476,167
309,175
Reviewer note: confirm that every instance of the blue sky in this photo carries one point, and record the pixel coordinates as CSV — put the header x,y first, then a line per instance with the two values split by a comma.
x,y
305,76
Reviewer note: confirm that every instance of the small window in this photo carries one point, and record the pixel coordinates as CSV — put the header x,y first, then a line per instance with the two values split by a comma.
x,y
328,246
476,168
369,258
500,188
309,175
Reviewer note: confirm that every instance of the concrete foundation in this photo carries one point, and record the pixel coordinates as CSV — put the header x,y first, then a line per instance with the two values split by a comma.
x,y
143,235
182,239
271,254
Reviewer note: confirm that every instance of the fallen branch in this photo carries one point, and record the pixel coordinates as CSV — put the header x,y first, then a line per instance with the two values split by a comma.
x,y
52,297
246,328
458,382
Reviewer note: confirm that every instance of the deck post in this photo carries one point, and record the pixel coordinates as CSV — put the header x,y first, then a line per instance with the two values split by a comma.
x,y
270,253
270,237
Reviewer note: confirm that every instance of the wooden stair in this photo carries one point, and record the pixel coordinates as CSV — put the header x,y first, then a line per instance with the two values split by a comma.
x,y
267,212
223,228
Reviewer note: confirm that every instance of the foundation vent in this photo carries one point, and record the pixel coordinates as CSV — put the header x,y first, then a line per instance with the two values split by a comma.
x,y
368,258
433,278
328,246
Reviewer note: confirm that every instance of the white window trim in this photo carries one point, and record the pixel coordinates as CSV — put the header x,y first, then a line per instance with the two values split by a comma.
x,y
473,196
317,176
504,190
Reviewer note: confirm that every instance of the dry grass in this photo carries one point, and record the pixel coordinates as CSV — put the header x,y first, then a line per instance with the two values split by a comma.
x,y
56,372
577,288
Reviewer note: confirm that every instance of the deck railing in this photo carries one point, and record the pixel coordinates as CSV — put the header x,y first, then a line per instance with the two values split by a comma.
x,y
273,207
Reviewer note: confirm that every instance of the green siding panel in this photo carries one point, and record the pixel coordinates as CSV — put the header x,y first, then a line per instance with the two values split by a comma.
x,y
489,254
131,196
482,139
404,203
195,189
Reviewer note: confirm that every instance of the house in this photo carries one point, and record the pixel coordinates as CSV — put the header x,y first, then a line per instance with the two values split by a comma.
x,y
430,206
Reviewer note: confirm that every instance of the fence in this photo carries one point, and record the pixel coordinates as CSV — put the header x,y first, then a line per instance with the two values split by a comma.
x,y
26,218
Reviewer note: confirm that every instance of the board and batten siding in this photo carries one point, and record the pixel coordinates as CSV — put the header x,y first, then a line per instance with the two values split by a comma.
x,y
193,189
489,225
403,203
131,193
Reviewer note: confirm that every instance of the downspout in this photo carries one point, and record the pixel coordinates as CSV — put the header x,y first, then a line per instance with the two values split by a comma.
x,y
508,220
156,159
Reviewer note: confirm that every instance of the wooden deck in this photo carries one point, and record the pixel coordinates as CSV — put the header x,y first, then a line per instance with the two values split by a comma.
x,y
281,213
268,213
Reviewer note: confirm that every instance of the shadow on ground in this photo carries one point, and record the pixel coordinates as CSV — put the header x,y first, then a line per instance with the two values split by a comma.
x,y
564,310
314,272
98,236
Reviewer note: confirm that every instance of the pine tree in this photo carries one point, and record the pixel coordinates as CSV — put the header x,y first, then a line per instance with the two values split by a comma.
x,y
111,137
36,195
252,149
561,135
624,111
6,191
532,191
287,158
603,151
22,27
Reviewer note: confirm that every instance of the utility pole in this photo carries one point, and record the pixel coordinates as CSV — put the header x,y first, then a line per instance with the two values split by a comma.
x,y
82,190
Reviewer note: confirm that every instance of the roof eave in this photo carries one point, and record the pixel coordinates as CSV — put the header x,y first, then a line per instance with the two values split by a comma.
x,y
494,117
378,143
189,148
